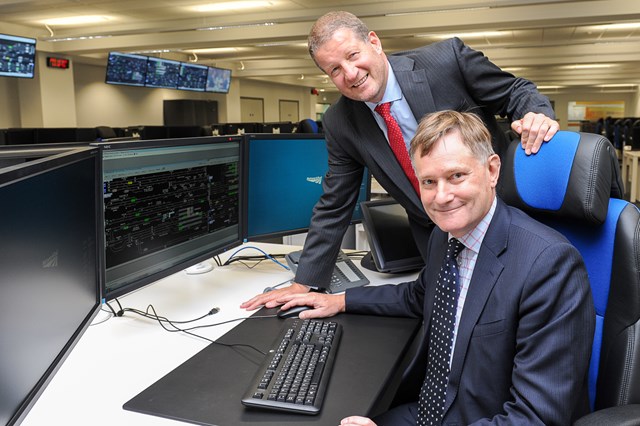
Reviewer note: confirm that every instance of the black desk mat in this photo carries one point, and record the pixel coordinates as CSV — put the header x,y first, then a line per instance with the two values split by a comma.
x,y
207,388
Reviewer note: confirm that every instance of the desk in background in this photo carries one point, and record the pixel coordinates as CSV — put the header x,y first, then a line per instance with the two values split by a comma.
x,y
630,160
119,358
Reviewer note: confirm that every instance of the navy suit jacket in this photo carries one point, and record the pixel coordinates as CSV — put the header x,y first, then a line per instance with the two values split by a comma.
x,y
524,341
444,75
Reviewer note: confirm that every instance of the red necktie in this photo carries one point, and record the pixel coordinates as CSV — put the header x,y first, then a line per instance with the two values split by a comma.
x,y
397,143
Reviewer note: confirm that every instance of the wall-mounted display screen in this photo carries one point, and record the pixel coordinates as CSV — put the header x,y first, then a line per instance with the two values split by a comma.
x,y
126,68
218,80
17,56
162,73
192,77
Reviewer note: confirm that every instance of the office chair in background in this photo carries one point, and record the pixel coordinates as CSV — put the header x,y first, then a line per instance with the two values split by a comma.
x,y
568,186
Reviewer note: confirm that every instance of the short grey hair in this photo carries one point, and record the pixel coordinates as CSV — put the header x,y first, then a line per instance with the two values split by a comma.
x,y
327,25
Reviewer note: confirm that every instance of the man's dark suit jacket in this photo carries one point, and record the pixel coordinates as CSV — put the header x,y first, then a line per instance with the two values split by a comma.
x,y
444,75
524,341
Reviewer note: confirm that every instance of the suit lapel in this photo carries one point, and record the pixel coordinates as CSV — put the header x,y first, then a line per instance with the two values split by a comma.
x,y
485,275
414,84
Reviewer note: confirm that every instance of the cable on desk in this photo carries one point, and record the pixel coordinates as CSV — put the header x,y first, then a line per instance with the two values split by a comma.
x,y
162,320
232,258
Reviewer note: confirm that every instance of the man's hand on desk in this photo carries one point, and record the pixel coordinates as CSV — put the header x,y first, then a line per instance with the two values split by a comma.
x,y
322,305
270,299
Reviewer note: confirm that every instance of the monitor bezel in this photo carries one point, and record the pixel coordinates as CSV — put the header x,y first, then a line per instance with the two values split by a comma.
x,y
34,168
245,193
160,143
26,40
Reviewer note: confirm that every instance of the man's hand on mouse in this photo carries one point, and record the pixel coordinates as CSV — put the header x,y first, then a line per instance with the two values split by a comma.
x,y
323,305
270,299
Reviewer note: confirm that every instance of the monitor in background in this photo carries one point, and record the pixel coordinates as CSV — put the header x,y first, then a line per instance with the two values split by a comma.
x,y
51,263
283,181
168,204
388,232
127,69
192,77
162,73
218,80
10,155
17,56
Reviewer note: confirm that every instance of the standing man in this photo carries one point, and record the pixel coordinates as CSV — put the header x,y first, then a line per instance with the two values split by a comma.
x,y
445,75
512,343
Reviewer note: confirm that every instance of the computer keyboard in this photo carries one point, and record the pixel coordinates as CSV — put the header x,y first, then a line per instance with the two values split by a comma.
x,y
296,372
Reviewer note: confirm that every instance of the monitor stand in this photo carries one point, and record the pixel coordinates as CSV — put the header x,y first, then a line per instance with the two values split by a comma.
x,y
199,268
368,263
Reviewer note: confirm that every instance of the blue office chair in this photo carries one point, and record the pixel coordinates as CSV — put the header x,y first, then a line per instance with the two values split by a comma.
x,y
568,185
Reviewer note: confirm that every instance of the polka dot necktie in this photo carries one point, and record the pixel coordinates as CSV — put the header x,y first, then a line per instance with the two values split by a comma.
x,y
443,317
396,141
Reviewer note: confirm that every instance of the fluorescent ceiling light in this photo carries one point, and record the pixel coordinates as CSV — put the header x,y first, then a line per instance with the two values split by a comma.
x,y
214,50
77,20
231,5
550,87
617,85
620,26
478,34
586,66
422,12
227,27
512,69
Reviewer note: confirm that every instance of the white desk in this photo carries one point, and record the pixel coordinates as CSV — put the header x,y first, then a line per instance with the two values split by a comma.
x,y
117,359
630,159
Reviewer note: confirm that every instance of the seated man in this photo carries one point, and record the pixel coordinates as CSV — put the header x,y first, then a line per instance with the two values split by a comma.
x,y
515,343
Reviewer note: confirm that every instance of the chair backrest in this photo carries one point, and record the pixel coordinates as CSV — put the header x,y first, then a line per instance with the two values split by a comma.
x,y
567,185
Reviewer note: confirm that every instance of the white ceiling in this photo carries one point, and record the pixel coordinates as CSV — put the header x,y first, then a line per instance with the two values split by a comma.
x,y
546,41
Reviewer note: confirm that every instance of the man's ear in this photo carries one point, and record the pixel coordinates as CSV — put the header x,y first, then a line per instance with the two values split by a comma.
x,y
375,42
494,163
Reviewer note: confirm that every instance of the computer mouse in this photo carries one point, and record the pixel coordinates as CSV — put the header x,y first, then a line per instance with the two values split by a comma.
x,y
292,312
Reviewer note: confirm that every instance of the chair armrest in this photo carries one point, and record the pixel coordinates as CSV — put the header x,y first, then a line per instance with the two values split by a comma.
x,y
624,415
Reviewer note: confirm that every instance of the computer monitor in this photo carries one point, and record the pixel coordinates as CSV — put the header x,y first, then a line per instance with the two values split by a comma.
x,y
11,155
168,205
126,68
390,238
283,181
52,270
218,80
162,73
192,77
17,56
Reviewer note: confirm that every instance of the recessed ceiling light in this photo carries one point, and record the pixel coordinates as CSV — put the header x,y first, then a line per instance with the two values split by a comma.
x,y
231,5
77,20
619,26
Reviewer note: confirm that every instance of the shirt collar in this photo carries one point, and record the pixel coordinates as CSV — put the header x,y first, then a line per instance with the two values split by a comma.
x,y
472,240
392,91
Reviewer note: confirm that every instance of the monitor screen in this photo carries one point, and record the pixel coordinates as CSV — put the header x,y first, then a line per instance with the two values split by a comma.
x,y
390,238
17,56
283,178
218,80
126,68
52,270
168,204
192,77
162,73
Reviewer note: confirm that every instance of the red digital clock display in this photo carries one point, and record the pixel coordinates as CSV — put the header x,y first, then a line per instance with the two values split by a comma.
x,y
57,63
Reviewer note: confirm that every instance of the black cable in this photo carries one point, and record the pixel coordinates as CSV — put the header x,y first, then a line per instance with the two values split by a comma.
x,y
162,320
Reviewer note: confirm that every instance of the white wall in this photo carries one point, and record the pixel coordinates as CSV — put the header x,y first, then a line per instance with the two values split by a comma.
x,y
9,103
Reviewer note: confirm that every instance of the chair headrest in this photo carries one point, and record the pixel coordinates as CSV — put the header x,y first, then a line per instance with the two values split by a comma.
x,y
570,177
